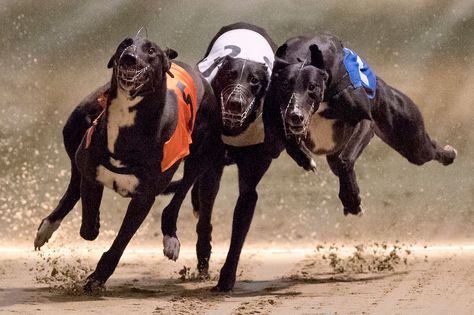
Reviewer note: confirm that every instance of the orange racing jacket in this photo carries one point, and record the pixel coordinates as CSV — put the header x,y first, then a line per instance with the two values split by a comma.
x,y
177,147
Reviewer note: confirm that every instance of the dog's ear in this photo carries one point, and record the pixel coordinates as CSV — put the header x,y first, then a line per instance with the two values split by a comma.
x,y
280,54
278,64
171,53
281,51
316,56
124,44
111,62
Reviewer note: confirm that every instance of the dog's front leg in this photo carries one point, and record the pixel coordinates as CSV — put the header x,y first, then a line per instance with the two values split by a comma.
x,y
301,155
52,222
91,196
250,174
137,211
342,165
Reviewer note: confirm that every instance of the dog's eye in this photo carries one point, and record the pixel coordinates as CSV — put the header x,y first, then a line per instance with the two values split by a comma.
x,y
151,51
254,80
311,87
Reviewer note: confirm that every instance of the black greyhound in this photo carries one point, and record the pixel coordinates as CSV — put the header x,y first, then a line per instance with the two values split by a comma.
x,y
326,99
135,145
238,65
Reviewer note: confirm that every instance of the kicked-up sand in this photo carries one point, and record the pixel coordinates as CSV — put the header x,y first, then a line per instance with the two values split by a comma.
x,y
372,278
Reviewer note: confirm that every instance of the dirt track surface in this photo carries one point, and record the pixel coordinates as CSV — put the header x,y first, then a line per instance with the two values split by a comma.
x,y
432,280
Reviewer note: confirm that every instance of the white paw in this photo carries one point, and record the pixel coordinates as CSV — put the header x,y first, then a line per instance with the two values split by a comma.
x,y
451,149
171,247
45,230
312,166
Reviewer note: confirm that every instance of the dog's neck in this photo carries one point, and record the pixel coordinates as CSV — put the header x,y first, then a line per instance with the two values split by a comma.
x,y
123,112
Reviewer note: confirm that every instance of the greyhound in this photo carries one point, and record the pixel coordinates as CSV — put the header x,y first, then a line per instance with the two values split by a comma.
x,y
152,114
327,100
238,65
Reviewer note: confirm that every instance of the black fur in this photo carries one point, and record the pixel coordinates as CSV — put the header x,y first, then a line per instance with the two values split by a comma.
x,y
139,148
252,162
312,68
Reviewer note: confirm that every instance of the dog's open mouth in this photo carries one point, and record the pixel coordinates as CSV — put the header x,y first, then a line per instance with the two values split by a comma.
x,y
132,78
297,130
235,105
132,73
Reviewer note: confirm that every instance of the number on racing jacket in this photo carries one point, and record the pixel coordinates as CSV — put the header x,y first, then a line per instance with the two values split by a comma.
x,y
187,99
235,51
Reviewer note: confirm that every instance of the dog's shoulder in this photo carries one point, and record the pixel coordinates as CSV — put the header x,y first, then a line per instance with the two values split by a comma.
x,y
90,103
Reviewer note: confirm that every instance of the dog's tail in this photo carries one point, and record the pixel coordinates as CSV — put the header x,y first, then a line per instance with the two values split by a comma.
x,y
172,187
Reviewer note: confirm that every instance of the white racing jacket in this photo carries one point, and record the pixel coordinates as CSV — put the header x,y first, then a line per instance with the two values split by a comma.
x,y
244,44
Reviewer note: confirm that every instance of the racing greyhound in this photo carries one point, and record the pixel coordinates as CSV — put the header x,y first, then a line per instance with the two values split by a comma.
x,y
145,121
326,99
238,64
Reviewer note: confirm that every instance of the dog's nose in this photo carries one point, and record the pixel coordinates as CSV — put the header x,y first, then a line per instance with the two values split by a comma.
x,y
128,60
234,105
296,118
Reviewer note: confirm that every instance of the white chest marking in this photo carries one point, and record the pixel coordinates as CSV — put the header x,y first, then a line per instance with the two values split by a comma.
x,y
119,116
322,131
254,134
124,184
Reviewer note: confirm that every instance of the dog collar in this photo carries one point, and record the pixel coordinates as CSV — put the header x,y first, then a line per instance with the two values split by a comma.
x,y
102,101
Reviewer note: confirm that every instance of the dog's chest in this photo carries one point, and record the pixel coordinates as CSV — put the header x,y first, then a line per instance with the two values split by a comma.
x,y
123,184
254,134
322,132
119,116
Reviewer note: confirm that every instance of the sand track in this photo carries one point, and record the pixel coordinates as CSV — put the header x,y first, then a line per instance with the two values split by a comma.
x,y
434,281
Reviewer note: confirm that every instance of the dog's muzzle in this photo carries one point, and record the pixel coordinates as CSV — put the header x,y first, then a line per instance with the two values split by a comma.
x,y
296,119
234,100
131,75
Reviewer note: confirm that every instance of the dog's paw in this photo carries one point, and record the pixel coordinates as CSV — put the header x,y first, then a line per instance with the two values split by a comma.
x,y
171,247
312,166
94,287
359,211
222,289
89,234
45,231
204,275
450,156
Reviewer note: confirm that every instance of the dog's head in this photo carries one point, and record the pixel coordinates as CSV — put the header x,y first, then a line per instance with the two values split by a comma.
x,y
140,65
240,85
299,89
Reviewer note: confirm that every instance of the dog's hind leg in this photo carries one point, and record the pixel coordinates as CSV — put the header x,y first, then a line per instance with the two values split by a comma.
x,y
400,124
91,195
342,165
137,211
414,144
252,166
209,183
